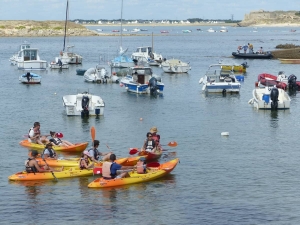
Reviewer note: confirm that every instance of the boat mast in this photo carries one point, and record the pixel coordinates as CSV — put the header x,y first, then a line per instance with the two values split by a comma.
x,y
121,22
152,43
66,22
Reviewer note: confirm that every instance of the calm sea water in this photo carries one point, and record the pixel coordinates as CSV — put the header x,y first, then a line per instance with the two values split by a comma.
x,y
250,177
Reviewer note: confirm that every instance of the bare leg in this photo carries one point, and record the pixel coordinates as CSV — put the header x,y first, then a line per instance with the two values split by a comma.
x,y
106,157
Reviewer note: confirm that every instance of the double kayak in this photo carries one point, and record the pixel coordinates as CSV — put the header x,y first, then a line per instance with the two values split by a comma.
x,y
71,162
66,173
152,174
78,147
131,161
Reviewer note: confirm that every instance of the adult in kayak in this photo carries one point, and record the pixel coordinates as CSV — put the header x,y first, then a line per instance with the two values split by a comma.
x,y
156,137
32,166
34,135
111,170
150,145
49,152
95,155
55,139
84,162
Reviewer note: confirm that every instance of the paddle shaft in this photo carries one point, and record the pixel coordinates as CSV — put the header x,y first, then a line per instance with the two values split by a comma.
x,y
50,171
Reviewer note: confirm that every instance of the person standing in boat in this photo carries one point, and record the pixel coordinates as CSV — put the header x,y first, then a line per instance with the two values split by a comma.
x,y
250,46
239,48
245,47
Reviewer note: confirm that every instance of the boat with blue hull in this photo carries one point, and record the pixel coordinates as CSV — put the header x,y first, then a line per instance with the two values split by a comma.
x,y
30,78
141,80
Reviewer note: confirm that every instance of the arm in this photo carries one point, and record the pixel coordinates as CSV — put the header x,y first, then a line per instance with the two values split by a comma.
x,y
39,168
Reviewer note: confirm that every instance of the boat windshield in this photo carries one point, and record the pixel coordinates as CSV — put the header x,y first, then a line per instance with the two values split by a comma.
x,y
30,54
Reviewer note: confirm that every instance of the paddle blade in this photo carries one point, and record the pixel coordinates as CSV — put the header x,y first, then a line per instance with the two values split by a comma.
x,y
133,151
153,164
93,133
59,135
97,170
172,144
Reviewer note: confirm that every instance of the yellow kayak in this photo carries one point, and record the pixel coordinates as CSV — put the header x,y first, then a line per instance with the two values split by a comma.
x,y
66,173
78,147
234,68
152,173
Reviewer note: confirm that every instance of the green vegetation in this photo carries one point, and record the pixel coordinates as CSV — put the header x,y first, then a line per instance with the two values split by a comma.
x,y
297,13
287,46
2,27
57,28
20,27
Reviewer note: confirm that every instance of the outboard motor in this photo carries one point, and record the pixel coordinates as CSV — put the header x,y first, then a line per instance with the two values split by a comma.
x,y
292,82
245,65
59,63
85,106
153,86
135,61
274,97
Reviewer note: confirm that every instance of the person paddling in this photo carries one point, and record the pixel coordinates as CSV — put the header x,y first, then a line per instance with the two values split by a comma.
x,y
32,166
95,155
49,152
111,170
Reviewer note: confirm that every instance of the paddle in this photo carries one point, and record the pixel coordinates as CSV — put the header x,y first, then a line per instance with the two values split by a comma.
x,y
133,151
172,144
50,171
93,133
153,164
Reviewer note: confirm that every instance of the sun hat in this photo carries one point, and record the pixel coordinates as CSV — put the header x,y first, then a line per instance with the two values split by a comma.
x,y
153,130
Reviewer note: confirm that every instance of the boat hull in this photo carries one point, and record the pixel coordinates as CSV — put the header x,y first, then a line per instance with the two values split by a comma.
x,y
32,65
78,147
66,173
221,88
134,178
34,79
252,55
290,61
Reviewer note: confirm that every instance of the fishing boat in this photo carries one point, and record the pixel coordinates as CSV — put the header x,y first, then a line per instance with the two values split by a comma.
x,y
266,55
83,104
140,80
78,147
272,98
30,78
147,55
134,177
218,81
65,173
290,61
122,60
175,66
29,59
13,59
67,56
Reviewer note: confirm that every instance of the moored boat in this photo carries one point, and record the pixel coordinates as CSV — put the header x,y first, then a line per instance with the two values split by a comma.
x,y
65,173
30,78
175,66
266,55
29,59
290,61
235,68
78,147
152,174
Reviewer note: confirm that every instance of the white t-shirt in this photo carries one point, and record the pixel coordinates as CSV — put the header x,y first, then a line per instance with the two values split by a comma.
x,y
30,134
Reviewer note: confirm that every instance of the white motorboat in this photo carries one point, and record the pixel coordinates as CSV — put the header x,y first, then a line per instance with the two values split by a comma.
x,y
13,59
57,64
270,98
146,55
84,105
223,30
211,30
175,66
217,80
135,30
141,80
30,78
29,59
67,56
100,75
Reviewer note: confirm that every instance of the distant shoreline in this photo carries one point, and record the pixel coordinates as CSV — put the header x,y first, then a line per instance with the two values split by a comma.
x,y
161,25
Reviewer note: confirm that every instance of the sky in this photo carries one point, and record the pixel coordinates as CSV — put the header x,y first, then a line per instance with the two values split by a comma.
x,y
138,9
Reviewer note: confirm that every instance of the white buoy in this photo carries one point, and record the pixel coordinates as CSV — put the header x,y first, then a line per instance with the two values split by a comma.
x,y
225,133
54,93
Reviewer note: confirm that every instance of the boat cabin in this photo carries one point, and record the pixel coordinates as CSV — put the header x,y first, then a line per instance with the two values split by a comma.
x,y
141,75
24,46
144,50
28,54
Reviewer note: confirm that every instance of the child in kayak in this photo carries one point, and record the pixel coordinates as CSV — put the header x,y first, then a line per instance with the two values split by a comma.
x,y
55,139
84,162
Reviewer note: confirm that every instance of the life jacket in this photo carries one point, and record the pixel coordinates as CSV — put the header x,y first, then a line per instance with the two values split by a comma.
x,y
149,145
81,165
30,169
51,151
56,141
156,137
106,173
96,153
140,167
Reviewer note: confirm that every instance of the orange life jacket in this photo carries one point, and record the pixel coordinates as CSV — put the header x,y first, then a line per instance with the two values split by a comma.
x,y
140,167
106,169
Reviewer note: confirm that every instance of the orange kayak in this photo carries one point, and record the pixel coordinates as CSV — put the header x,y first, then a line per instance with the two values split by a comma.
x,y
152,173
78,147
150,156
71,163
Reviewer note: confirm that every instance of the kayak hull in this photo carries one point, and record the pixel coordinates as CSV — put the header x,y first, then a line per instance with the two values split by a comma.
x,y
78,147
66,173
152,174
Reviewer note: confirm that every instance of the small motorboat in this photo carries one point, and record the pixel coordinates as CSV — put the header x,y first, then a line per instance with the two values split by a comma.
x,y
280,81
175,66
186,31
99,75
141,80
270,98
164,31
145,54
211,30
58,64
218,81
30,78
266,55
83,104
115,31
29,59
290,61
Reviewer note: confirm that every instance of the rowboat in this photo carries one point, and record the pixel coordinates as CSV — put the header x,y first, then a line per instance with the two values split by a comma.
x,y
78,147
72,162
66,173
290,61
152,173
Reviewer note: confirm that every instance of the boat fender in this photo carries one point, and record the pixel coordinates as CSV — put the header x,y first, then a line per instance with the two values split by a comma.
x,y
201,80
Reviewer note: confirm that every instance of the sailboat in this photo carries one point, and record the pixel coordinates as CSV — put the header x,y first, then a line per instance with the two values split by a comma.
x,y
122,61
66,56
